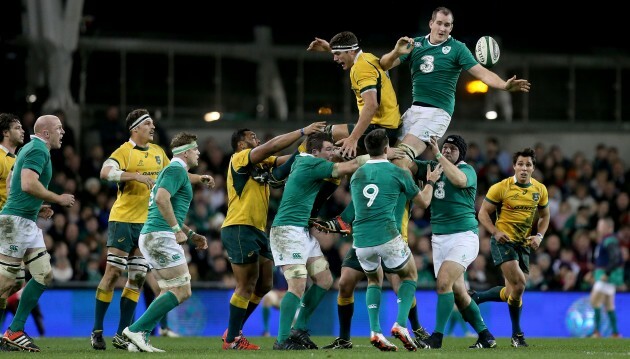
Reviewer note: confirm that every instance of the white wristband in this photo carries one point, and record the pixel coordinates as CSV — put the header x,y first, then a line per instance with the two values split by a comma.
x,y
176,228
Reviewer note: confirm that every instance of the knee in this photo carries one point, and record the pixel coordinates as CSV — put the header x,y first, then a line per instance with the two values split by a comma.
x,y
185,293
346,287
138,268
443,286
319,271
38,264
264,286
324,280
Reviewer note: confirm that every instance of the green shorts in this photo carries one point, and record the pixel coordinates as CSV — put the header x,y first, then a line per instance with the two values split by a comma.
x,y
123,236
245,243
503,252
352,261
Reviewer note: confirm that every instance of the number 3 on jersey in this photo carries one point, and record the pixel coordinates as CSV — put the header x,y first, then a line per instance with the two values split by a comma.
x,y
370,192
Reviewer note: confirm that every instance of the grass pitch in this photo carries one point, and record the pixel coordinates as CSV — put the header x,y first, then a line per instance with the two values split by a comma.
x,y
210,347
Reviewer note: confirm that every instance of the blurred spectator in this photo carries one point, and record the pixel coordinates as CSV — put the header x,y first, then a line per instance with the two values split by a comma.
x,y
536,280
496,155
112,131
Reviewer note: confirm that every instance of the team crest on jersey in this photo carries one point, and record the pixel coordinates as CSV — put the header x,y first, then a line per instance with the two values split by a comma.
x,y
439,191
158,160
446,50
536,196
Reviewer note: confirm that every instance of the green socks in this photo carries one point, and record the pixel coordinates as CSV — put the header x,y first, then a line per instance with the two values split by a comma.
x,y
156,311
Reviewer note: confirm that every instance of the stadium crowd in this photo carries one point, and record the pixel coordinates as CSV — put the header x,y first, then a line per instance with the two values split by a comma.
x,y
580,192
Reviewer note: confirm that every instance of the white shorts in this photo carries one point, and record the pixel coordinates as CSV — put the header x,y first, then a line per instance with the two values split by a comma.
x,y
604,287
394,254
462,248
17,234
161,250
424,122
293,245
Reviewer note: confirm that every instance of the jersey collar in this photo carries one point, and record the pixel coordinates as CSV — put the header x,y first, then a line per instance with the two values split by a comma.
x,y
179,160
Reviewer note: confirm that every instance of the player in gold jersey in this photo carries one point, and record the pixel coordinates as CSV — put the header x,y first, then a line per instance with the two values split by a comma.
x,y
244,230
517,201
12,137
134,166
376,99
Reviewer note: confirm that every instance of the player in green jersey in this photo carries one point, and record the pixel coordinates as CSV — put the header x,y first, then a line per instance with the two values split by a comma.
x,y
22,239
455,239
376,189
436,61
161,238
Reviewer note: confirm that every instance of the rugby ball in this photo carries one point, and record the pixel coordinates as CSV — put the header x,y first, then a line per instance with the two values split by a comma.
x,y
487,51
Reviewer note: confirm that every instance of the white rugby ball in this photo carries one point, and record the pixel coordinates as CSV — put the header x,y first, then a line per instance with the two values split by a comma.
x,y
487,51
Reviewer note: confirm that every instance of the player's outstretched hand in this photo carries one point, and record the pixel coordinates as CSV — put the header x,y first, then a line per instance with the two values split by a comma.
x,y
348,147
395,153
314,127
434,145
319,45
515,85
434,175
404,45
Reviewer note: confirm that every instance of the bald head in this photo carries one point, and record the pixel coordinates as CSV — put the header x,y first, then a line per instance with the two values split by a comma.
x,y
49,128
45,122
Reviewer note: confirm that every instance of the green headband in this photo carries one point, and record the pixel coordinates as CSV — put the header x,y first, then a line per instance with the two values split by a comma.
x,y
181,149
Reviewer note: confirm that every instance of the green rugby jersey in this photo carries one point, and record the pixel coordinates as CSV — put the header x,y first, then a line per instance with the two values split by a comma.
x,y
435,70
452,208
376,188
174,179
305,180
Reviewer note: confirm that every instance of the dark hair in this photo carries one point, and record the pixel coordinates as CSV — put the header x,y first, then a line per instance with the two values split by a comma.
x,y
182,138
315,141
6,119
528,152
376,141
444,10
238,135
134,115
343,39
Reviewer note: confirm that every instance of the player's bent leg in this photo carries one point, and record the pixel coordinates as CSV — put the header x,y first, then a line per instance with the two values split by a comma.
x,y
318,270
9,271
246,275
516,280
137,272
174,283
37,260
263,286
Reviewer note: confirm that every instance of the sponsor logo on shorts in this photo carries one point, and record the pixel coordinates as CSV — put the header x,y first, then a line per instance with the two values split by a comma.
x,y
297,256
250,254
120,240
